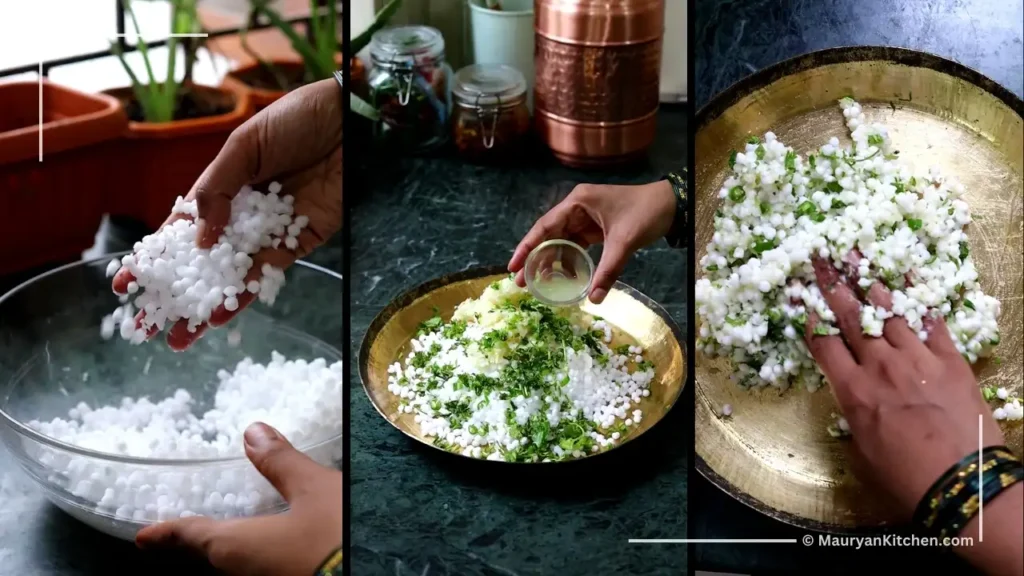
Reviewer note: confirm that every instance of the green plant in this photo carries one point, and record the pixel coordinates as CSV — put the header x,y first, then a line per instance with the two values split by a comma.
x,y
157,99
319,54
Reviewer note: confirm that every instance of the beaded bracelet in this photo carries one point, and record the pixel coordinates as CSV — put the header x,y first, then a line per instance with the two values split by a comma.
x,y
677,234
332,566
953,499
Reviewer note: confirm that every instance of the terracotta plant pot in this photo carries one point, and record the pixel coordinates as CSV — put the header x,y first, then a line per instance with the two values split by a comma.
x,y
165,159
53,208
261,84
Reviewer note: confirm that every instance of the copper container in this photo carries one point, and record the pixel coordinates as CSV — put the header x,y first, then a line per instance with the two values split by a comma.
x,y
597,64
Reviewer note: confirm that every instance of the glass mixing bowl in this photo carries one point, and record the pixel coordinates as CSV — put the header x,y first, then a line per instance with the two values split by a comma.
x,y
52,357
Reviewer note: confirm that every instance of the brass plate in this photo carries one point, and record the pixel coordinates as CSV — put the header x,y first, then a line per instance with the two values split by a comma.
x,y
774,454
635,318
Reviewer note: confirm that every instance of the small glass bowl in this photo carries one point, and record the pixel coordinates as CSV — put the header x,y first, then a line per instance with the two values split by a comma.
x,y
559,273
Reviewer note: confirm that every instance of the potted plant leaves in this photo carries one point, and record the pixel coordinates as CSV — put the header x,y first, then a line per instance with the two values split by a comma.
x,y
53,204
176,127
318,57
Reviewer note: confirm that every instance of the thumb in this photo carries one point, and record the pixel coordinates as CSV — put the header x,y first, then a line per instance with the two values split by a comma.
x,y
291,472
613,261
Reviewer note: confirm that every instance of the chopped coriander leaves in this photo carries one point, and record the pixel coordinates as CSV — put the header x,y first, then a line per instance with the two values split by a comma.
x,y
790,161
914,224
875,140
759,151
969,304
428,326
834,186
806,208
732,159
762,245
753,140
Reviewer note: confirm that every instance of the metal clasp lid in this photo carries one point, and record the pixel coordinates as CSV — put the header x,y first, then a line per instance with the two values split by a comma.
x,y
483,115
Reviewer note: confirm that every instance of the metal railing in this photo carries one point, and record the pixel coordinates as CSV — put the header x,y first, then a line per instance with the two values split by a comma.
x,y
126,47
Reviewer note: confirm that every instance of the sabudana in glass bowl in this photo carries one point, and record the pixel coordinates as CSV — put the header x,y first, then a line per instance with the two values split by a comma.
x,y
123,435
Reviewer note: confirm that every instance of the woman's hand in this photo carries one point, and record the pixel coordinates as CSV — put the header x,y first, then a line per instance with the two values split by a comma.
x,y
914,410
625,218
294,543
296,141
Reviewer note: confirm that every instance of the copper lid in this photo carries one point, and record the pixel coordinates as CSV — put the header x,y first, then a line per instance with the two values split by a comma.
x,y
600,22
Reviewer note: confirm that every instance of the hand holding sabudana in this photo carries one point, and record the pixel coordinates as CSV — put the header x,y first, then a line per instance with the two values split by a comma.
x,y
296,141
624,218
293,543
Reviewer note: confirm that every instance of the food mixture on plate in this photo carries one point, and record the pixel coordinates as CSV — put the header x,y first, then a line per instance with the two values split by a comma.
x,y
509,378
863,209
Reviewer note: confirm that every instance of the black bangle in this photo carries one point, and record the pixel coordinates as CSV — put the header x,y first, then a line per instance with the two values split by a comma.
x,y
332,566
955,497
676,236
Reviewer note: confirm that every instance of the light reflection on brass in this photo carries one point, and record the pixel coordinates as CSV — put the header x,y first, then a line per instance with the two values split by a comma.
x,y
634,318
774,453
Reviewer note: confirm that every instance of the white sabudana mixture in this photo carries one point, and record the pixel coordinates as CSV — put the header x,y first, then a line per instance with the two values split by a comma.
x,y
176,280
509,378
302,400
865,211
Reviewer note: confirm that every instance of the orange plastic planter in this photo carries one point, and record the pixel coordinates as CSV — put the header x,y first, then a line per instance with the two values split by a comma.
x,y
162,161
241,79
54,207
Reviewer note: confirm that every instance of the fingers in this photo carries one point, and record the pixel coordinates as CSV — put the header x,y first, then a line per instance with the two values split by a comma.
x,y
613,260
829,351
896,330
548,226
121,281
291,472
179,338
939,340
846,307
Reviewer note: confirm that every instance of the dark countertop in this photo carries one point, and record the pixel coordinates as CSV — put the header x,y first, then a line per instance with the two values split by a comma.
x,y
734,38
418,512
37,538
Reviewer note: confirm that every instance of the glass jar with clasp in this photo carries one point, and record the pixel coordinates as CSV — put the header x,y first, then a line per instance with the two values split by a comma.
x,y
409,85
490,118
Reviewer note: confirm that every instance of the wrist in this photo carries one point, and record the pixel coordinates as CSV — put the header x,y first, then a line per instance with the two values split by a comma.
x,y
331,566
665,201
677,232
994,547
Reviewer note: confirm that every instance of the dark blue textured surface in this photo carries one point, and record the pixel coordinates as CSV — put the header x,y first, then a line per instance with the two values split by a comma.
x,y
734,38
